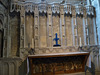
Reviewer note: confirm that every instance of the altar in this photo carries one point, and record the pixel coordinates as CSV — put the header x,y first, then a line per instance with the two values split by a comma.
x,y
58,63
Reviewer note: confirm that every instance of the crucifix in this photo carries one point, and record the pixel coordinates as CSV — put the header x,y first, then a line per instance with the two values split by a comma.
x,y
56,40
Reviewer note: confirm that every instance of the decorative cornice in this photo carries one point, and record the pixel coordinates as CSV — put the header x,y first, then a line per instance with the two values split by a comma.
x,y
54,7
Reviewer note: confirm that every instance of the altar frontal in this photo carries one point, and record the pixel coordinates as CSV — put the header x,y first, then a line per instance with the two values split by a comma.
x,y
59,63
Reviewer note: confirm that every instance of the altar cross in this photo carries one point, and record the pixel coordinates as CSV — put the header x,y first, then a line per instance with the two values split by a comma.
x,y
56,40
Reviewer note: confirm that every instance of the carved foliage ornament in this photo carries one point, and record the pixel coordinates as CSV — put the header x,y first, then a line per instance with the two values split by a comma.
x,y
79,9
67,8
90,10
42,7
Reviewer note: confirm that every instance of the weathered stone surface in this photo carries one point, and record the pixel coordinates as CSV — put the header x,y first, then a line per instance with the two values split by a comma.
x,y
69,35
29,32
43,30
56,27
91,31
14,24
80,31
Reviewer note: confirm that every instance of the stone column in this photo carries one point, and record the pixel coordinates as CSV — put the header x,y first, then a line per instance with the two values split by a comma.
x,y
84,31
9,38
36,26
22,29
75,31
74,27
62,27
73,35
91,31
85,25
49,28
95,31
5,35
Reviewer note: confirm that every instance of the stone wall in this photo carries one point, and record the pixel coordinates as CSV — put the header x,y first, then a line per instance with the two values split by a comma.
x,y
14,24
74,25
36,30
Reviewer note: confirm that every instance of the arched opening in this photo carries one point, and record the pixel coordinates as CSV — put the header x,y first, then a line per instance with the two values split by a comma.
x,y
1,39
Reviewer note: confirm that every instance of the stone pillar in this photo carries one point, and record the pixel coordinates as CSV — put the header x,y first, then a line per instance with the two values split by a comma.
x,y
49,28
22,29
62,27
36,27
91,31
84,31
5,36
74,27
73,31
85,25
95,31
